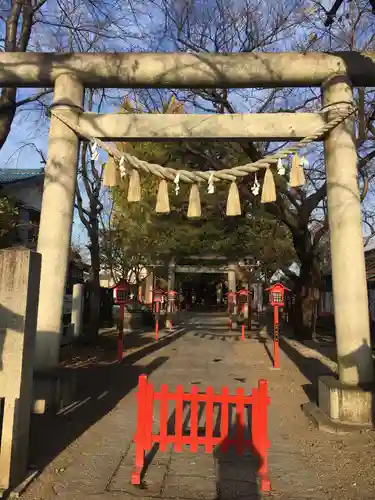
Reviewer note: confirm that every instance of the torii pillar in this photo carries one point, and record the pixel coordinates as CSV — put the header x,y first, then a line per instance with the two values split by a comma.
x,y
347,398
56,219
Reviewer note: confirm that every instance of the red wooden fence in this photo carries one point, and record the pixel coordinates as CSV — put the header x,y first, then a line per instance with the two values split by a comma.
x,y
258,443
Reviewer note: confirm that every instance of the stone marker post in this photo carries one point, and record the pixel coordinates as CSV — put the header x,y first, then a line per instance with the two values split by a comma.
x,y
77,308
19,293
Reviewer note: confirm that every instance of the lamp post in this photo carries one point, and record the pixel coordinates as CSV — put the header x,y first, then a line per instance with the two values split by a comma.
x,y
243,301
276,299
157,298
119,297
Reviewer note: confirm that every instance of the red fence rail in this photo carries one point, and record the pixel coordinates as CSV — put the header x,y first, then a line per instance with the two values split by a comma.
x,y
258,443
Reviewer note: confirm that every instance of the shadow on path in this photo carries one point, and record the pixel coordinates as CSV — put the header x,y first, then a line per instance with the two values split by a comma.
x,y
263,340
237,468
100,387
310,367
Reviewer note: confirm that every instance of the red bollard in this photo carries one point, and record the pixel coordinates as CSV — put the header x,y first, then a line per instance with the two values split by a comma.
x,y
120,339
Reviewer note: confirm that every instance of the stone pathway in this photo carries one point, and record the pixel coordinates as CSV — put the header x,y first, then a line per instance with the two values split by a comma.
x,y
94,459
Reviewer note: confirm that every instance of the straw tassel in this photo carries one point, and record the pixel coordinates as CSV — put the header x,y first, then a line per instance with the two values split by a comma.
x,y
194,209
301,173
297,175
110,174
134,190
162,199
269,190
233,201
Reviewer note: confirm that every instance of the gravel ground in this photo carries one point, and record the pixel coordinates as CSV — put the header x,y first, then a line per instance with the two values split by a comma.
x,y
343,464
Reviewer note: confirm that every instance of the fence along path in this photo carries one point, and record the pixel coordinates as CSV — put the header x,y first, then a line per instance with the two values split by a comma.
x,y
208,401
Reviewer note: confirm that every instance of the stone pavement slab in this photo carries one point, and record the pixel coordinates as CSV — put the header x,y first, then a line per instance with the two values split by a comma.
x,y
193,464
92,476
153,481
303,463
189,487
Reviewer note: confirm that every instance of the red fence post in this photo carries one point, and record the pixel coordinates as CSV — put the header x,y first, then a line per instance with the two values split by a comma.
x,y
209,419
194,417
140,435
163,417
149,410
224,424
179,418
259,432
240,420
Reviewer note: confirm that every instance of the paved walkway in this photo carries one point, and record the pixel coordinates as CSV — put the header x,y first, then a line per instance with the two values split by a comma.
x,y
90,453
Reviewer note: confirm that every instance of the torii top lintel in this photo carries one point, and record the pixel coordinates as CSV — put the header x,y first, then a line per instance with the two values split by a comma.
x,y
187,70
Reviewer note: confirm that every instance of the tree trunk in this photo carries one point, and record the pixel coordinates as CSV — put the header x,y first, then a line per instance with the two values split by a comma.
x,y
307,294
94,284
7,112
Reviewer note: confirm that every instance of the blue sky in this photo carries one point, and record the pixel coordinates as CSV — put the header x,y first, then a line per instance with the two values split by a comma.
x,y
30,127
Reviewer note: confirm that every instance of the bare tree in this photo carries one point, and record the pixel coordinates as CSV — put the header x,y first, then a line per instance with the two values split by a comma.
x,y
119,256
250,25
63,26
17,20
71,26
89,209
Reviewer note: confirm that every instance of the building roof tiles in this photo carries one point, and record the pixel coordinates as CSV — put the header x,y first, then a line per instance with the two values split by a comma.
x,y
11,175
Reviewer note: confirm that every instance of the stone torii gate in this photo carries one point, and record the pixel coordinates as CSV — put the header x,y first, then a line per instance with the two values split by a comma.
x,y
334,73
